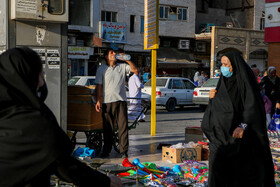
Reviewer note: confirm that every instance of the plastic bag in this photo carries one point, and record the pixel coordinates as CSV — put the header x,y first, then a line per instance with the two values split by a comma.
x,y
84,152
275,122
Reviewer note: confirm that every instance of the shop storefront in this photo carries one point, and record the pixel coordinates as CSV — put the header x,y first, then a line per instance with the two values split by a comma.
x,y
78,58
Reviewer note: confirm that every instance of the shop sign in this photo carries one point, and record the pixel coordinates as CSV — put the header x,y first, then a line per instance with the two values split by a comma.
x,y
76,52
113,32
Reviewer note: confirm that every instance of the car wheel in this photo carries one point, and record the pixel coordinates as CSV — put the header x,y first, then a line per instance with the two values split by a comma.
x,y
170,105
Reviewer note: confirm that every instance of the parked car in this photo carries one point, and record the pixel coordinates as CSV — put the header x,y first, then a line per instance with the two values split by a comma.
x,y
171,92
88,81
201,94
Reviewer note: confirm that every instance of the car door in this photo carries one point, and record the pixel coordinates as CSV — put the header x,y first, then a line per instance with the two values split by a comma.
x,y
189,86
178,91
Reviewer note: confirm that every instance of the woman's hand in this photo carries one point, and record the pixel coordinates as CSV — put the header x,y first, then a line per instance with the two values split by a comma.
x,y
212,93
238,132
115,181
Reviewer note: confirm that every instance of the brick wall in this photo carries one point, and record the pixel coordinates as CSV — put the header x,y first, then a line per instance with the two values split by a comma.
x,y
274,56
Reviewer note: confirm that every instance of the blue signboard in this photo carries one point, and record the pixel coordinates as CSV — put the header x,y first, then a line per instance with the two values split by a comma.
x,y
113,32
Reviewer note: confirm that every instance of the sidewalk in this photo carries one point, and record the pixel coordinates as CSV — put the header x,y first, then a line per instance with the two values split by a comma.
x,y
144,147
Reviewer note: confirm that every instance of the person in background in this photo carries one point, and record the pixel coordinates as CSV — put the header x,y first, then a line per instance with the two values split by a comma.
x,y
195,78
235,124
201,79
267,106
256,72
217,73
164,74
110,80
271,84
134,109
33,146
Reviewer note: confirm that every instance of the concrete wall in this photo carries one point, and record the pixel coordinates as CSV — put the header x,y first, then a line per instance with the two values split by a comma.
x,y
135,40
3,23
259,8
214,15
125,8
185,29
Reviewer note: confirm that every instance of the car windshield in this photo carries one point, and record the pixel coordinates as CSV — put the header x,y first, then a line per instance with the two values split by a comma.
x,y
72,81
211,82
160,82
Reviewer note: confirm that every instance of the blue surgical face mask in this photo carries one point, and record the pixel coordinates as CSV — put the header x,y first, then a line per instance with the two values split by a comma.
x,y
225,71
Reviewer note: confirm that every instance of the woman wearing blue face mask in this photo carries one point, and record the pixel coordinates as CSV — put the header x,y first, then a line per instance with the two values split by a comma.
x,y
235,124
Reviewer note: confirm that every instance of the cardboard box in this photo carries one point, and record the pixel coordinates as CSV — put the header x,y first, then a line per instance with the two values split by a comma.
x,y
193,134
179,155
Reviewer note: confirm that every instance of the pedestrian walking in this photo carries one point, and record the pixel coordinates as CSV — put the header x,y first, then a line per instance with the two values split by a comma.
x,y
134,109
271,84
110,80
235,124
195,78
33,146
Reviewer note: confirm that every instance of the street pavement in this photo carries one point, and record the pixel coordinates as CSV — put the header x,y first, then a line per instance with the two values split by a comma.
x,y
170,122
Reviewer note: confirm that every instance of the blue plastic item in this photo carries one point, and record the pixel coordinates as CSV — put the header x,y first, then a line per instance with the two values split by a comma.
x,y
275,122
84,152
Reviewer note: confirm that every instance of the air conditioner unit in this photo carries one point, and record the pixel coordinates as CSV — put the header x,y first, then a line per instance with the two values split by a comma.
x,y
41,10
184,44
200,47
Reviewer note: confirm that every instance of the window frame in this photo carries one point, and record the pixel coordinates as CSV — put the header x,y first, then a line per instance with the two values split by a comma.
x,y
182,11
111,16
165,16
132,18
142,24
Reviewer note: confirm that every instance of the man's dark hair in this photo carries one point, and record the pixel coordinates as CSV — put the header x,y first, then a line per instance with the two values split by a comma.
x,y
253,65
106,52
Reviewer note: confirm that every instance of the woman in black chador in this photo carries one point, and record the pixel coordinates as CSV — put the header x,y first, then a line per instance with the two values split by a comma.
x,y
32,144
234,122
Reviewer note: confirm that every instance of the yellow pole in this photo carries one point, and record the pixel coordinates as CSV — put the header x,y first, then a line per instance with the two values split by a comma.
x,y
153,94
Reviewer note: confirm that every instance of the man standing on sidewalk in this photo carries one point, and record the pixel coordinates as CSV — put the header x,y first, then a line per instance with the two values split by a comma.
x,y
134,109
110,80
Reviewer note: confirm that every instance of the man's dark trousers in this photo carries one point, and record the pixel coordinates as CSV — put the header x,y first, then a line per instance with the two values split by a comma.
x,y
112,114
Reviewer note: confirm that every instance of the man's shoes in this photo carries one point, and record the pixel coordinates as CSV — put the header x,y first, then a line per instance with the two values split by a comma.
x,y
141,120
124,155
104,155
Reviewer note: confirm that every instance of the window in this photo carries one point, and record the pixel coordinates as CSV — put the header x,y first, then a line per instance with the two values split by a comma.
x,y
132,21
188,84
262,21
142,24
160,82
173,13
108,16
56,7
79,13
177,84
91,81
182,14
163,12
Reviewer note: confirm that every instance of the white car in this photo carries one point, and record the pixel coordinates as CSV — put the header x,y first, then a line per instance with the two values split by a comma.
x,y
201,94
171,92
88,81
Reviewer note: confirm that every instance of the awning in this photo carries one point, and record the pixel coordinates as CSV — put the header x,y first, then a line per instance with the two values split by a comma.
x,y
172,58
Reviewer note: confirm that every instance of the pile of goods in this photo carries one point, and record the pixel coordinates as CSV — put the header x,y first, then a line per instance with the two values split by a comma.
x,y
149,174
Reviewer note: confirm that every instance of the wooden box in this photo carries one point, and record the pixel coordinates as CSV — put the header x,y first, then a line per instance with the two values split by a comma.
x,y
82,115
179,155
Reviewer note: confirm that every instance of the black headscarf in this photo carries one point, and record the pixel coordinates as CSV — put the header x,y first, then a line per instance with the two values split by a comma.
x,y
238,162
30,137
